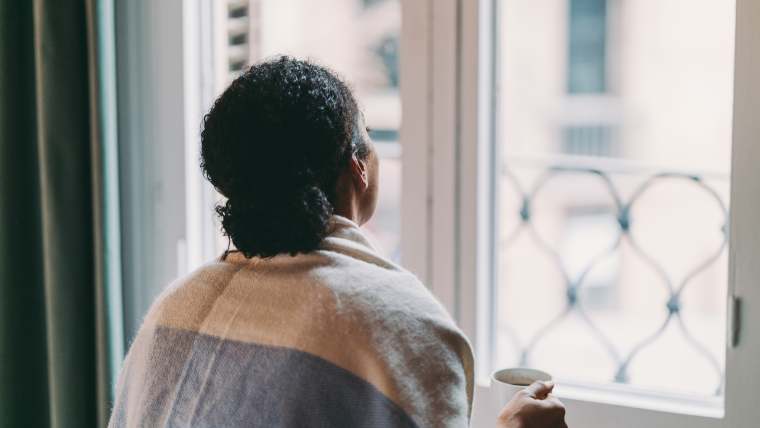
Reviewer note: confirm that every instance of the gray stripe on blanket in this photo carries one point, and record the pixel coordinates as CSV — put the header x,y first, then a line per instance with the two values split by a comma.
x,y
203,381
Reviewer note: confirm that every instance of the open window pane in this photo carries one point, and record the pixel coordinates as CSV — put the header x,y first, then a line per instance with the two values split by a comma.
x,y
615,130
357,38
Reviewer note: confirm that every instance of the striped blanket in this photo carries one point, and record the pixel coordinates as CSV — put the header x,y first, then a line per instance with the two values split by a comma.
x,y
339,337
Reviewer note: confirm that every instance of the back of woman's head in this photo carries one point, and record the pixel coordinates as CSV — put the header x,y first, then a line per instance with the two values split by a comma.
x,y
274,144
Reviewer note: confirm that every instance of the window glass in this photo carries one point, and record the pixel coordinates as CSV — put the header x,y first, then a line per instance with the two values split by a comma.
x,y
587,43
359,39
615,128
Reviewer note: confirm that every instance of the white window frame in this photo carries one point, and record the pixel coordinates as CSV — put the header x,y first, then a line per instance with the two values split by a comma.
x,y
447,132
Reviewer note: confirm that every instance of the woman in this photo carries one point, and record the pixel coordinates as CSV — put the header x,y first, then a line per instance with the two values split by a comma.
x,y
303,323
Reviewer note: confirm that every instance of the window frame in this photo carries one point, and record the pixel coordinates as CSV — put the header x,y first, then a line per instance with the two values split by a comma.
x,y
448,63
447,195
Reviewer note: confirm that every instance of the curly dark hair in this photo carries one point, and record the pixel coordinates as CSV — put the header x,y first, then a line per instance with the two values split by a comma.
x,y
274,144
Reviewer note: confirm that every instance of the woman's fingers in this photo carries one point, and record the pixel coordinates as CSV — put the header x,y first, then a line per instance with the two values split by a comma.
x,y
533,407
539,389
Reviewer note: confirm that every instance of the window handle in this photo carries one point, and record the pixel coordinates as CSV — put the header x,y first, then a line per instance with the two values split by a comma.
x,y
734,320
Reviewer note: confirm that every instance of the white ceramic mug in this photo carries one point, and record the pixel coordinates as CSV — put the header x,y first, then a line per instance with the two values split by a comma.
x,y
506,382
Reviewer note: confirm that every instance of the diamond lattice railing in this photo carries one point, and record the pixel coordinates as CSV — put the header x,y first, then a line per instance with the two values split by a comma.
x,y
573,283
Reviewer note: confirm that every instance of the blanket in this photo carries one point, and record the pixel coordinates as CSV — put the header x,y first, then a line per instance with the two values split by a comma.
x,y
339,337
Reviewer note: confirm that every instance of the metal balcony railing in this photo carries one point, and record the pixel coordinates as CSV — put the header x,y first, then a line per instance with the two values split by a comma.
x,y
574,283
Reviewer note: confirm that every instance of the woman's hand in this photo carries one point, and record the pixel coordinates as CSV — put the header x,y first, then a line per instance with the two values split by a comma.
x,y
533,408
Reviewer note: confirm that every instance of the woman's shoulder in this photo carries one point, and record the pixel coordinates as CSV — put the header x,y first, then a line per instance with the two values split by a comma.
x,y
362,283
365,275
187,299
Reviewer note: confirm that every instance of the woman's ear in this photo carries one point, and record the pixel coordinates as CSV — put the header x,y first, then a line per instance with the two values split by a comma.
x,y
359,172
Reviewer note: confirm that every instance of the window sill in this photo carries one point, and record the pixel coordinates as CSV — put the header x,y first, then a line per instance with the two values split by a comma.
x,y
588,399
625,396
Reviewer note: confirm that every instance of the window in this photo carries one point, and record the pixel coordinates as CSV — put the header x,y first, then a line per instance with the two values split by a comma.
x,y
589,140
657,240
585,229
561,177
587,44
580,227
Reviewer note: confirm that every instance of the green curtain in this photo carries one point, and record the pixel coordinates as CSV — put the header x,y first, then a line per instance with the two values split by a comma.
x,y
60,340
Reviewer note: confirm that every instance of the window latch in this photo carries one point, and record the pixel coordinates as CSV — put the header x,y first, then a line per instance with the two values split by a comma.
x,y
734,320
